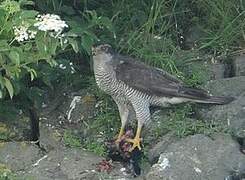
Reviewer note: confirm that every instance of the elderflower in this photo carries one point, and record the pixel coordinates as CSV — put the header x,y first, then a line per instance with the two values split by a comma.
x,y
22,33
50,22
32,34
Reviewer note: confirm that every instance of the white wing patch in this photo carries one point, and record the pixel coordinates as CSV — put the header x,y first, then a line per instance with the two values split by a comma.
x,y
174,100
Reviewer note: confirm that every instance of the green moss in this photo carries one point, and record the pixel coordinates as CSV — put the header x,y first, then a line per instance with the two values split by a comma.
x,y
7,174
96,147
71,139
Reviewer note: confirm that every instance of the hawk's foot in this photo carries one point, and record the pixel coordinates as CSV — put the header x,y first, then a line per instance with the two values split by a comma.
x,y
136,143
119,137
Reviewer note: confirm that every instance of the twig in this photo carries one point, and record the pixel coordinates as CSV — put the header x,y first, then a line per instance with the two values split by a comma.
x,y
38,161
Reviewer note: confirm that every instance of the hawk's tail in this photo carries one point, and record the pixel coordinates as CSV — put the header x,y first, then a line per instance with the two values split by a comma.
x,y
202,96
219,100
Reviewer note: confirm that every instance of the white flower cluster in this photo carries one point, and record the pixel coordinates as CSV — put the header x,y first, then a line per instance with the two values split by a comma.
x,y
22,33
50,22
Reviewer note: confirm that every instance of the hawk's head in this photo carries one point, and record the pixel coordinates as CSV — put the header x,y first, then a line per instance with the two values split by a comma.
x,y
103,50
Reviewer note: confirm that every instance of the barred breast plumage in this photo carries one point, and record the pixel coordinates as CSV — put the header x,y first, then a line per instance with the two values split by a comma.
x,y
108,82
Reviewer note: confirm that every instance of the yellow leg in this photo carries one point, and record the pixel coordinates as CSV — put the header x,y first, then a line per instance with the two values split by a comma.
x,y
136,141
120,135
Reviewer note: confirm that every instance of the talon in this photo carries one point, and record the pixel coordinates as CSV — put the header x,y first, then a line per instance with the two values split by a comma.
x,y
119,137
136,143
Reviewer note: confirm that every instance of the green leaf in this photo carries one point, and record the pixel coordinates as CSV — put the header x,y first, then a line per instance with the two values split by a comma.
x,y
2,60
105,21
25,14
15,57
26,2
2,16
87,42
4,45
76,29
9,87
41,46
1,82
52,62
33,74
53,44
74,44
1,94
27,46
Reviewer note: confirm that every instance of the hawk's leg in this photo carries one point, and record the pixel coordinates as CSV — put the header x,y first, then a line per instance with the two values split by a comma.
x,y
143,115
124,112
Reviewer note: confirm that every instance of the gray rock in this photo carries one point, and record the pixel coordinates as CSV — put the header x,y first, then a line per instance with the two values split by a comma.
x,y
160,147
66,163
49,138
239,65
19,155
70,111
227,87
216,70
233,114
198,158
70,108
61,163
80,107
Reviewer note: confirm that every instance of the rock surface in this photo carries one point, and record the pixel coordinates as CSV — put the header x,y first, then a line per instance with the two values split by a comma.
x,y
227,87
63,163
198,157
70,107
19,155
216,70
160,147
239,65
49,138
233,114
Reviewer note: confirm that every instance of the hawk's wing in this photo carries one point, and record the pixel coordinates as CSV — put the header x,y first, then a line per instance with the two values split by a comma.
x,y
151,80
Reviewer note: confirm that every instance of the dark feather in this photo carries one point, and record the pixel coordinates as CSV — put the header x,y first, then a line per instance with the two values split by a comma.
x,y
154,81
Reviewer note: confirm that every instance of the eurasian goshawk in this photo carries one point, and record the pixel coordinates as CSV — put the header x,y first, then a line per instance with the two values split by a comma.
x,y
132,83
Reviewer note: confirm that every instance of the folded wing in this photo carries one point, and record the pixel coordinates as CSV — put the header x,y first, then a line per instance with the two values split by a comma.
x,y
153,81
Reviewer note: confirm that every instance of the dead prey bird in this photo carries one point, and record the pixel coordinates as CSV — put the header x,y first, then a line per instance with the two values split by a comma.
x,y
132,83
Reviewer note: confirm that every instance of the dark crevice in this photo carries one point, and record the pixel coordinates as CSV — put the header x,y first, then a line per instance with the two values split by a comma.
x,y
241,141
229,69
34,123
